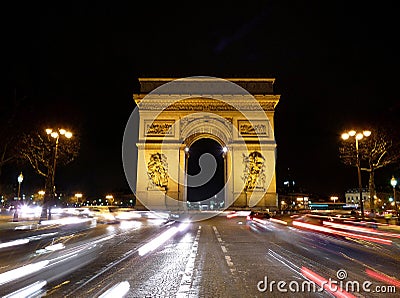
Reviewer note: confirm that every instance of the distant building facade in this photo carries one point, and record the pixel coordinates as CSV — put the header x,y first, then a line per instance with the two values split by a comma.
x,y
352,196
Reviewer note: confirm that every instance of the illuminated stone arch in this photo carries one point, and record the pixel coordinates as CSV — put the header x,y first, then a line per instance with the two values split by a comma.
x,y
170,122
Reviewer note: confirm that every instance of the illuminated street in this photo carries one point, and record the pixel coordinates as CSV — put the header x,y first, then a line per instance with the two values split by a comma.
x,y
218,257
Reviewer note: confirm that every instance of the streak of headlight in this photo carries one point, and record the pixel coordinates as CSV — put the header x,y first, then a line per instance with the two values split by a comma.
x,y
183,226
128,215
111,229
65,221
340,233
27,291
55,247
119,290
157,221
102,239
320,281
41,236
261,221
156,242
383,277
126,225
14,243
17,273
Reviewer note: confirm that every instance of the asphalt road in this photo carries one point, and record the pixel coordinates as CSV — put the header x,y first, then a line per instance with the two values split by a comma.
x,y
217,257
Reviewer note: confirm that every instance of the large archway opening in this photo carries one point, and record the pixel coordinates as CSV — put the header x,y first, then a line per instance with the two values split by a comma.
x,y
209,195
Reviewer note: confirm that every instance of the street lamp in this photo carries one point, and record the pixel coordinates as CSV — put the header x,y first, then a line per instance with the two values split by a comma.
x,y
78,197
110,198
393,182
56,135
358,136
20,179
41,194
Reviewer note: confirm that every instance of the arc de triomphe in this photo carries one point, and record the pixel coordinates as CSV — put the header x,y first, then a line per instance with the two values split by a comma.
x,y
237,113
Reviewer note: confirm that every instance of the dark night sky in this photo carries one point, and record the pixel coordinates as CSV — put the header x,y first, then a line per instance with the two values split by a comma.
x,y
336,66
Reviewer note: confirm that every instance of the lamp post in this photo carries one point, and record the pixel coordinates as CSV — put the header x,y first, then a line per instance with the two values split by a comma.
x,y
55,134
185,184
393,182
41,194
225,156
20,179
358,136
78,197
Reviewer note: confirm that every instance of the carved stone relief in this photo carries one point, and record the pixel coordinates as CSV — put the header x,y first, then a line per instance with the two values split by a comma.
x,y
159,128
157,170
254,171
254,128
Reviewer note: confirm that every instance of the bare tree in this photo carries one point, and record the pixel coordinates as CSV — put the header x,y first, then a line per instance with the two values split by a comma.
x,y
380,149
11,112
43,152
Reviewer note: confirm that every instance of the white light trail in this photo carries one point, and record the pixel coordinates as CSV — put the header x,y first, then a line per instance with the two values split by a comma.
x,y
17,273
119,290
183,226
14,243
27,291
55,247
156,242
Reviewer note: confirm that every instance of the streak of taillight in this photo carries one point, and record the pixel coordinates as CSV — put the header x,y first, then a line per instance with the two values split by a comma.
x,y
320,281
383,277
341,233
359,229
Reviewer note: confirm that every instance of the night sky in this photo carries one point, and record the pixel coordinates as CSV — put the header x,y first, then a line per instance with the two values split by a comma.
x,y
335,64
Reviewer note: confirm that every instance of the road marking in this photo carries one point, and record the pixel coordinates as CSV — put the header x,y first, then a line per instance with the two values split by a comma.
x,y
229,261
186,282
224,250
217,234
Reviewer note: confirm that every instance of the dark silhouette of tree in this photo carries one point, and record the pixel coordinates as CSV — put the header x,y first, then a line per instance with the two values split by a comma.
x,y
15,108
380,149
40,150
13,111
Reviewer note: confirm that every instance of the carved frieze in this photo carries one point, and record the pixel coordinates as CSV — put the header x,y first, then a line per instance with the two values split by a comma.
x,y
159,128
207,105
253,129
